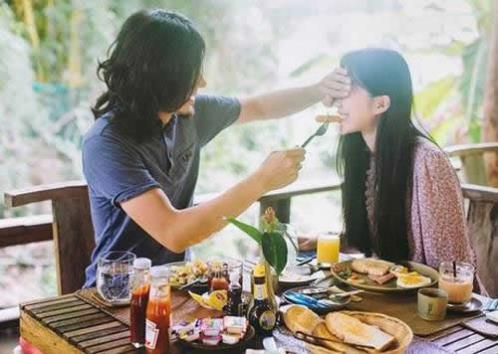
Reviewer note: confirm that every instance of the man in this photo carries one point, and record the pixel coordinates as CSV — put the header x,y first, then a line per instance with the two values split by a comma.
x,y
141,156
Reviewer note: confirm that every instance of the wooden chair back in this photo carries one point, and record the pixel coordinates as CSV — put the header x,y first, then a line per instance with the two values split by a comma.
x,y
482,221
472,158
71,227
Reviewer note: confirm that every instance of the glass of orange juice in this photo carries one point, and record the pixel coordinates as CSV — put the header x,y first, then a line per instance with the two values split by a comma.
x,y
327,249
457,279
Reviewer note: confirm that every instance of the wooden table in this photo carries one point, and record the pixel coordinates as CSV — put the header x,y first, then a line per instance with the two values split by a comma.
x,y
70,324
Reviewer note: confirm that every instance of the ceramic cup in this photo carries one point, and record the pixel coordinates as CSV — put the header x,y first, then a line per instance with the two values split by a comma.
x,y
431,304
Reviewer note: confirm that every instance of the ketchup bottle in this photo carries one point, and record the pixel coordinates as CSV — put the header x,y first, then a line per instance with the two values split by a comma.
x,y
158,314
139,297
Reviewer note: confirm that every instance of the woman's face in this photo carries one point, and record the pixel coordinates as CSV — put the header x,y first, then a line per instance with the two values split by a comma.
x,y
359,111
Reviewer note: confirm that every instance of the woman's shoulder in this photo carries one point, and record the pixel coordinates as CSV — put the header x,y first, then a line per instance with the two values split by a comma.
x,y
431,160
427,152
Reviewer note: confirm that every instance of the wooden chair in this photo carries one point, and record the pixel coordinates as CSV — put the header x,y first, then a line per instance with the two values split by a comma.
x,y
472,157
482,221
72,229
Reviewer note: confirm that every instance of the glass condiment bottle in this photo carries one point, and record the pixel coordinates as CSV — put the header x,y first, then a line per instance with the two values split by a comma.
x,y
158,315
262,314
139,298
234,296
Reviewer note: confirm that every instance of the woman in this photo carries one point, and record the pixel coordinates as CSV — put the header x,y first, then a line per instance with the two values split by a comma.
x,y
401,198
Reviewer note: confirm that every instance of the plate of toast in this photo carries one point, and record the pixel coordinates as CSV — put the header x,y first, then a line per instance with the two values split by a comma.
x,y
383,276
351,332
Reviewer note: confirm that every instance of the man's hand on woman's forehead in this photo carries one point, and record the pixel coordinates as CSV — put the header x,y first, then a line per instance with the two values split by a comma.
x,y
335,85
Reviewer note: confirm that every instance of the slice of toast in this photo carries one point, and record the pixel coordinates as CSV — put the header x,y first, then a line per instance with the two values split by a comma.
x,y
371,266
353,331
333,342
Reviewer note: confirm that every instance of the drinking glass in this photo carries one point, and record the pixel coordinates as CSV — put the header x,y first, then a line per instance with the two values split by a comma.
x,y
114,272
457,280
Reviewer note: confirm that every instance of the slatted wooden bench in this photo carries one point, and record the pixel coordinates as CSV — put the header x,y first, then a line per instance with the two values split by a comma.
x,y
68,324
78,323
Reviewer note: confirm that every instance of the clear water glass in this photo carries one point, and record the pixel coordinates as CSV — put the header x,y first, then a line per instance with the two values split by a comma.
x,y
114,275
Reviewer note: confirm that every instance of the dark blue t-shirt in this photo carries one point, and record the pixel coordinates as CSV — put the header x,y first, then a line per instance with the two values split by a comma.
x,y
117,169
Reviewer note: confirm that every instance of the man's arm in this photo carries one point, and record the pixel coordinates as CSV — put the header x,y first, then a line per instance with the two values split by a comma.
x,y
282,103
178,229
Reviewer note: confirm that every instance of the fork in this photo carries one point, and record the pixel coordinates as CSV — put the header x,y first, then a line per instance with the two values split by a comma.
x,y
319,132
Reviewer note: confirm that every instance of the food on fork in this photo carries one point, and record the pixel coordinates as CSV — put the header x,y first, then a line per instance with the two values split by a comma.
x,y
353,331
371,266
328,118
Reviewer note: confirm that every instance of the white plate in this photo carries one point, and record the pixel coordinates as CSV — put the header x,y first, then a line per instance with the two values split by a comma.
x,y
290,278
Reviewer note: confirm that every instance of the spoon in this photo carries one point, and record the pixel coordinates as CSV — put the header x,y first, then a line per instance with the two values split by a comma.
x,y
319,132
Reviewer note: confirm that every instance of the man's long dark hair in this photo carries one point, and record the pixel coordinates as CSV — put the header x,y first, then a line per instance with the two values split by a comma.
x,y
380,72
152,66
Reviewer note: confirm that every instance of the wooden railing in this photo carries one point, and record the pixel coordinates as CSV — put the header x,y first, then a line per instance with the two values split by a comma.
x,y
23,230
19,231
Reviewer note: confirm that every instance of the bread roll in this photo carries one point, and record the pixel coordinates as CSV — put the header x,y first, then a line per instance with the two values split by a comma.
x,y
301,319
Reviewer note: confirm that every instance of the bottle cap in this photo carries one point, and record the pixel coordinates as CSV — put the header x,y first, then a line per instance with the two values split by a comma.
x,y
142,263
259,270
159,272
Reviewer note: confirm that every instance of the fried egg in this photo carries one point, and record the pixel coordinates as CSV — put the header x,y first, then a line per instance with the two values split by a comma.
x,y
412,280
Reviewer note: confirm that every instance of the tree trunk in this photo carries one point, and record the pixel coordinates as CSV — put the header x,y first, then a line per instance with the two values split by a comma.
x,y
490,105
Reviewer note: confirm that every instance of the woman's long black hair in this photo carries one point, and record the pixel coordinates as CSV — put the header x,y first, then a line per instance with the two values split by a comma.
x,y
380,72
152,66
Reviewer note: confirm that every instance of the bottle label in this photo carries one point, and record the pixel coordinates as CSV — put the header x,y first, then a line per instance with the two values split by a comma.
x,y
260,292
151,334
267,320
